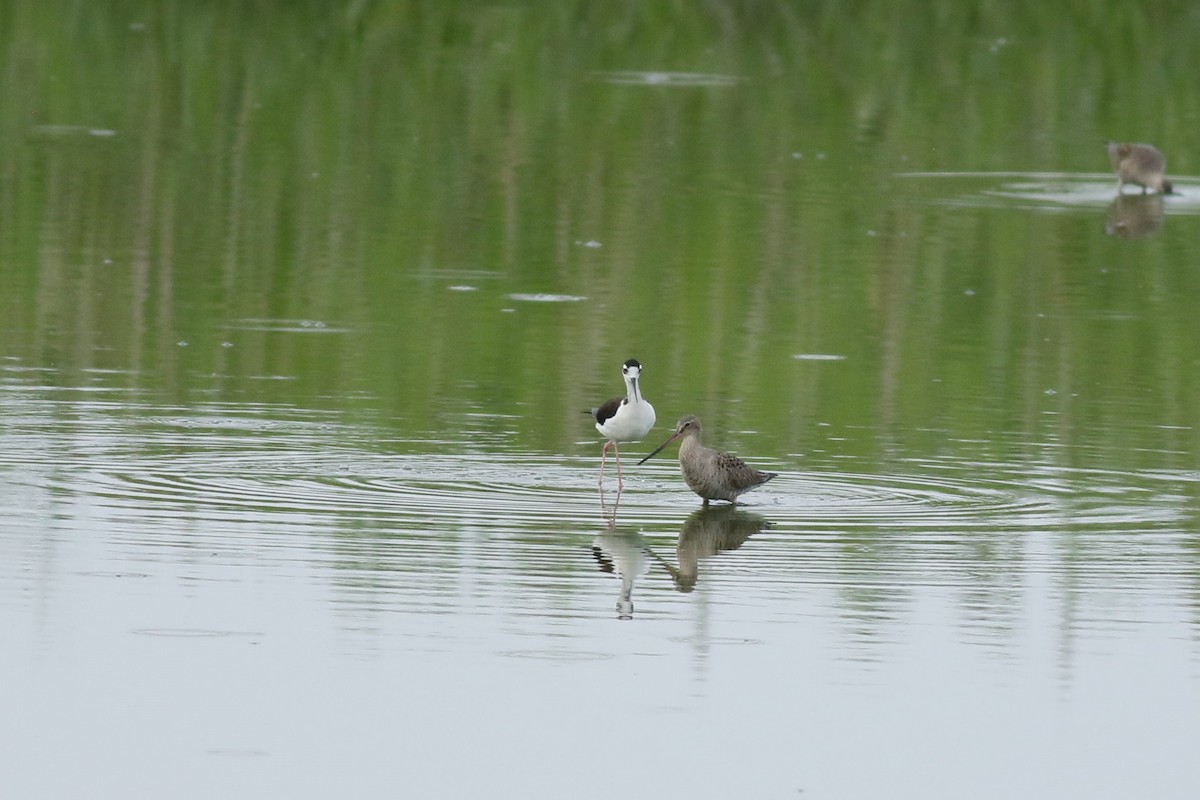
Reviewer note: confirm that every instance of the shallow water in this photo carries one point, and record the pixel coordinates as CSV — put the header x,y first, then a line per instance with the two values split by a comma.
x,y
296,494
226,592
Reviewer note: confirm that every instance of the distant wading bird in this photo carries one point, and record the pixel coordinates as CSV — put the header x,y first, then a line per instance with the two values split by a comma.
x,y
624,419
712,475
1140,164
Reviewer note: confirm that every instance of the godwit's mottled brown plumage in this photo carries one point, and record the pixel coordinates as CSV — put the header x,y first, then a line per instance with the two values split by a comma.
x,y
708,473
1140,164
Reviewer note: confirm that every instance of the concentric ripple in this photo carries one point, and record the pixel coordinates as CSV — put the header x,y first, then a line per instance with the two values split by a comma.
x,y
301,469
220,497
508,490
1045,191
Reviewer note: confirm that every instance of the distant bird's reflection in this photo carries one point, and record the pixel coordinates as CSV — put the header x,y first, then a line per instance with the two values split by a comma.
x,y
624,554
1135,216
710,531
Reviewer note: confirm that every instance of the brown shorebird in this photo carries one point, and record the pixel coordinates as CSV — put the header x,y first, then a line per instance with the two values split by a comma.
x,y
712,475
624,419
1140,164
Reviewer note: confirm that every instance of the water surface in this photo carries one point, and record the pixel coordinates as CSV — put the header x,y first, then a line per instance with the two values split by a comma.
x,y
297,497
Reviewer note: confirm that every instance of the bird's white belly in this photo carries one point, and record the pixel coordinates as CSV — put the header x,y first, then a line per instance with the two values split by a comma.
x,y
631,422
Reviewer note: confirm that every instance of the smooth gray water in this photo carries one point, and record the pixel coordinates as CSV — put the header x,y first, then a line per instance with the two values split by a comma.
x,y
265,601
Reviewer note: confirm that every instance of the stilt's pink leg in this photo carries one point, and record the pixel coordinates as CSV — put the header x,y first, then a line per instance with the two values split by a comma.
x,y
603,455
617,453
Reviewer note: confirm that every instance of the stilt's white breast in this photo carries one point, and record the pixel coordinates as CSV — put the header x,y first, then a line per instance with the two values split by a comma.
x,y
632,421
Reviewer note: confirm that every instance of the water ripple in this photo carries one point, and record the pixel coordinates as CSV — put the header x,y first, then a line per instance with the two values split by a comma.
x,y
1044,191
305,469
518,491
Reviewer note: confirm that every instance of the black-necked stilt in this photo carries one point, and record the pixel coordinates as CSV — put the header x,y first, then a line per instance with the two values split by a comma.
x,y
624,419
708,473
1140,164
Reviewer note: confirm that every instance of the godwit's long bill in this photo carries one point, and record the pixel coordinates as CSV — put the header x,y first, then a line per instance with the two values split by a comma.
x,y
711,474
624,419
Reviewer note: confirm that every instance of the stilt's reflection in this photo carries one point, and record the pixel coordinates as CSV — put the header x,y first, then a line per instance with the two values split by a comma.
x,y
707,532
1134,216
624,554
609,512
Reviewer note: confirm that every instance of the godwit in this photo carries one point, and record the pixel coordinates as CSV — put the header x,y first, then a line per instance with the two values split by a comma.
x,y
1140,164
624,419
712,475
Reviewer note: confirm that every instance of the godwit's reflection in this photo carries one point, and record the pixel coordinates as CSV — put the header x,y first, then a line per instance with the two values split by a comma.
x,y
707,532
1134,216
624,554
